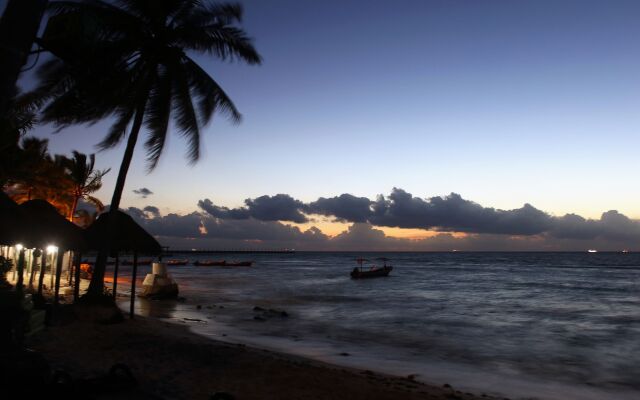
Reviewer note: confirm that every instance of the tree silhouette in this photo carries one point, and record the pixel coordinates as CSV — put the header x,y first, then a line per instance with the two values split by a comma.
x,y
85,180
130,61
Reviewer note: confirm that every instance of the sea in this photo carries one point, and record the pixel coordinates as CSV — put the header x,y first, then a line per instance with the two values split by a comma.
x,y
518,325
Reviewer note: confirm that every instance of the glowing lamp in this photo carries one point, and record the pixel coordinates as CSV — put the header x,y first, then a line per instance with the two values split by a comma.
x,y
51,249
18,247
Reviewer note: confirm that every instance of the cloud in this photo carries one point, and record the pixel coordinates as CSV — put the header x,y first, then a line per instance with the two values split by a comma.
x,y
452,213
143,192
280,207
346,207
262,222
153,211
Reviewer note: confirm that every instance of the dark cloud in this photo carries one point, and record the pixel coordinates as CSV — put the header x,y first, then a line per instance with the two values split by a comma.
x,y
153,211
345,207
143,192
280,207
455,214
260,223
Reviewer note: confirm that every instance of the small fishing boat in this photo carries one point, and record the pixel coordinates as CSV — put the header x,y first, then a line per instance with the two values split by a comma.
x,y
210,263
371,272
238,264
182,261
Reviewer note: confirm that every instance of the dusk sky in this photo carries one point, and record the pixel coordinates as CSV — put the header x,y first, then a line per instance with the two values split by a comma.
x,y
503,103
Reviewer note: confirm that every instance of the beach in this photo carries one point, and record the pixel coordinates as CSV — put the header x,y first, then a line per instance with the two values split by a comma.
x,y
171,362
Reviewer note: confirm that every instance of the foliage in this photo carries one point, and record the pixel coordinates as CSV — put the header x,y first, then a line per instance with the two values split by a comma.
x,y
129,61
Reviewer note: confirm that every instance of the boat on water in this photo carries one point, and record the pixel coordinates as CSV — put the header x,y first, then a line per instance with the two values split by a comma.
x,y
371,272
182,261
592,251
209,263
222,263
238,263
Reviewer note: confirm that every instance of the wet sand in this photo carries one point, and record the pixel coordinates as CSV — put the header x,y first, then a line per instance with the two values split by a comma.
x,y
171,362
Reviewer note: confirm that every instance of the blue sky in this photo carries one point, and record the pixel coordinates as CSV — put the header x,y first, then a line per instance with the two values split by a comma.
x,y
504,102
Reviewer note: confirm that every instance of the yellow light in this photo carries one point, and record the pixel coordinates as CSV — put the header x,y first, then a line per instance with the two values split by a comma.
x,y
18,247
51,249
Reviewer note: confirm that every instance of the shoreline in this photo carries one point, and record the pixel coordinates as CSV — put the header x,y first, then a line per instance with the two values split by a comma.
x,y
173,362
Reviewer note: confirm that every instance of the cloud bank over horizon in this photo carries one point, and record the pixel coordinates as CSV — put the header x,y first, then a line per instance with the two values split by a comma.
x,y
452,222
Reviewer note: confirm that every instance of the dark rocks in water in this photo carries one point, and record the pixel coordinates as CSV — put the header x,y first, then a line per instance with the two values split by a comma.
x,y
209,308
269,313
345,354
199,307
446,385
194,319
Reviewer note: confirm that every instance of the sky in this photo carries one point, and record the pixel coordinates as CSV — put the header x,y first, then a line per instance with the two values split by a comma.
x,y
527,107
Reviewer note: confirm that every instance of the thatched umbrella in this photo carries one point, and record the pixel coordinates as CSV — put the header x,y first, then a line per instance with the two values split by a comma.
x,y
129,237
14,230
15,221
52,228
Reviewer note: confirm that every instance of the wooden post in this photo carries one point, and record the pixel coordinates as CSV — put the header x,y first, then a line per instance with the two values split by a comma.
x,y
76,287
115,275
58,276
43,265
32,274
19,284
133,283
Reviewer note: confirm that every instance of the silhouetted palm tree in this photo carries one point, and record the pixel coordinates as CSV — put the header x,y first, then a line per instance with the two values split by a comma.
x,y
131,63
86,180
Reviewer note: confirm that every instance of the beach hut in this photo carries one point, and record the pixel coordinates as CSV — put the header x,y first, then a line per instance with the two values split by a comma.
x,y
52,232
129,236
14,231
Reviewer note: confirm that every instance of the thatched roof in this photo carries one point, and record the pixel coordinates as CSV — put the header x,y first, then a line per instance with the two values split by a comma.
x,y
129,236
51,228
14,222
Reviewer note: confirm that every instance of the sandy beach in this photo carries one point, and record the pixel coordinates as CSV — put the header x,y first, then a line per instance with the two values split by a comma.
x,y
170,362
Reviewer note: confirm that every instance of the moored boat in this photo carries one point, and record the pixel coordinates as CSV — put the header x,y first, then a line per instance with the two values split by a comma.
x,y
183,261
371,272
210,263
238,264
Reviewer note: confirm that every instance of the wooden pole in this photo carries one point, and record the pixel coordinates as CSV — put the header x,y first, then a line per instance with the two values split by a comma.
x,y
76,287
43,265
133,283
19,284
34,259
115,275
58,276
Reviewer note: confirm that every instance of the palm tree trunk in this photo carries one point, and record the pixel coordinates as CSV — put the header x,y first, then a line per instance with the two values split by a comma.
x,y
96,286
74,205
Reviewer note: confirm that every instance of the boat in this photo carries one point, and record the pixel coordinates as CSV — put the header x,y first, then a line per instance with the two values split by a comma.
x,y
182,261
371,272
210,263
592,251
238,264
142,261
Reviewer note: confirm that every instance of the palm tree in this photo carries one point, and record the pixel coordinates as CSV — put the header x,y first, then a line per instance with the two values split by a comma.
x,y
85,180
133,64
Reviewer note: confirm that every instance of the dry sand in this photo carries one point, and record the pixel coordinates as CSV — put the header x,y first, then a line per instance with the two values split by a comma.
x,y
172,363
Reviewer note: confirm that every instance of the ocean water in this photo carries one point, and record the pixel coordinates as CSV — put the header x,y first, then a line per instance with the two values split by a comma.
x,y
524,325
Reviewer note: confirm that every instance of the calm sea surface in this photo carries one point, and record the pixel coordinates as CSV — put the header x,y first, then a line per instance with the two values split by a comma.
x,y
544,325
